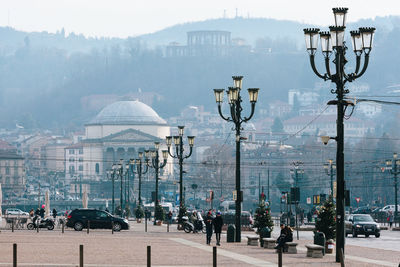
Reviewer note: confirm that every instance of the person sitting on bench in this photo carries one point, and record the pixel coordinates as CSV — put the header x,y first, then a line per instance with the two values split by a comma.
x,y
285,236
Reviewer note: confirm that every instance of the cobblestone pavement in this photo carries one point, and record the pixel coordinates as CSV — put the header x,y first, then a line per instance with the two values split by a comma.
x,y
128,248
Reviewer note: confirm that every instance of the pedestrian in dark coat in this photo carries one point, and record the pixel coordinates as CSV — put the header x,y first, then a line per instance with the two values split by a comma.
x,y
218,223
209,226
54,213
42,211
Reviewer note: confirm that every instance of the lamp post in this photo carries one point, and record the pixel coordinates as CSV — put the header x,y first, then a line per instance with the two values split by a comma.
x,y
178,142
113,175
155,163
333,42
129,168
330,169
140,172
393,166
296,171
120,173
235,104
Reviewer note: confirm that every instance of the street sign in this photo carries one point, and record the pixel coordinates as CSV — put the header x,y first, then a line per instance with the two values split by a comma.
x,y
358,199
309,200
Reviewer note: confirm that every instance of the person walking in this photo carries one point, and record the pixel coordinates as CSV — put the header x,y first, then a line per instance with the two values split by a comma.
x,y
209,226
169,217
41,212
218,222
390,219
54,214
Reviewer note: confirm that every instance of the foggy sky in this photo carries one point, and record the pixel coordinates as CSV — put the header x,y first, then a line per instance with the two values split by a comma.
x,y
122,18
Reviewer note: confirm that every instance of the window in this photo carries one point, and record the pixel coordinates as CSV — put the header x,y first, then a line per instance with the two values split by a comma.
x,y
252,191
80,167
80,159
7,170
72,170
71,159
97,168
71,151
81,151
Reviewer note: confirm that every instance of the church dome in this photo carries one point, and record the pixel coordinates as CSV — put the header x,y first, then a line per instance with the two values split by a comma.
x,y
127,112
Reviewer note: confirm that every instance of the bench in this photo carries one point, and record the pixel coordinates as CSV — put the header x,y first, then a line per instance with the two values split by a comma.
x,y
269,243
291,247
314,251
252,240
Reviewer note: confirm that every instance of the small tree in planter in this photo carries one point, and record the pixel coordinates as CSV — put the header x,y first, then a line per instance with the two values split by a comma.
x,y
326,219
182,212
263,221
139,213
159,214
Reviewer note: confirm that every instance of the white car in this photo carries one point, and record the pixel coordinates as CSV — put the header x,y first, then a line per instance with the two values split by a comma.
x,y
391,208
14,211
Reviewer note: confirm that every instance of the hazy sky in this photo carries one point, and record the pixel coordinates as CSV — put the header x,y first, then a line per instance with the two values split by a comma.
x,y
121,18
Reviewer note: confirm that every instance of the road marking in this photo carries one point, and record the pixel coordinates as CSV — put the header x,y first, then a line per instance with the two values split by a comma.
x,y
226,253
360,259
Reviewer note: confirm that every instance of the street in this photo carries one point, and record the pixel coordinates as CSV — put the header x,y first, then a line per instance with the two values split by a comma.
x,y
128,248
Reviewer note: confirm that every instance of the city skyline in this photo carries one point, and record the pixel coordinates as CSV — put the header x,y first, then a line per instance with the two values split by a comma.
x,y
123,18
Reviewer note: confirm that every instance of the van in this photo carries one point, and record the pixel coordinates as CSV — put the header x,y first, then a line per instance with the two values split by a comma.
x,y
391,208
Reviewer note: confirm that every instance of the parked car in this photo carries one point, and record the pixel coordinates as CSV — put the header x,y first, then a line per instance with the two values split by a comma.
x,y
362,210
98,219
361,224
391,208
14,211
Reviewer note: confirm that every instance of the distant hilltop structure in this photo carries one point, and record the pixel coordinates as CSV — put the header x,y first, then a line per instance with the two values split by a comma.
x,y
205,43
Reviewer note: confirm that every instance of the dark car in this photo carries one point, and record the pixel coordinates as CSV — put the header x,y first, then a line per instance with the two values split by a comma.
x,y
362,210
98,219
361,224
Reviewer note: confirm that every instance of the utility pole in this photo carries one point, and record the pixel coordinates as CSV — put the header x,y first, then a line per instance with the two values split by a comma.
x,y
392,166
269,200
259,188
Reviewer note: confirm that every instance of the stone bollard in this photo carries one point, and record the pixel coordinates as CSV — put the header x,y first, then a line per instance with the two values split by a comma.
x,y
88,226
62,227
112,227
12,225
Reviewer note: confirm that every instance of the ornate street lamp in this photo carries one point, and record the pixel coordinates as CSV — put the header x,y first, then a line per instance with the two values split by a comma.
x,y
129,168
393,166
330,169
140,172
178,142
234,101
120,172
332,42
157,165
112,174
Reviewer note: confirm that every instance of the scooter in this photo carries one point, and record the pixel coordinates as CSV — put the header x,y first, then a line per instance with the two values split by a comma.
x,y
189,227
45,223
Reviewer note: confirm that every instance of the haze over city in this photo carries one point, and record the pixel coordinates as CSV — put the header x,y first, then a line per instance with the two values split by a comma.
x,y
123,18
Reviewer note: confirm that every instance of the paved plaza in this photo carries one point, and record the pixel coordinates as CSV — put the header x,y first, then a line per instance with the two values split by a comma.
x,y
129,248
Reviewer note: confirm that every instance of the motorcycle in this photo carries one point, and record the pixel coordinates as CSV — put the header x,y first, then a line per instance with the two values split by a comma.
x,y
199,226
45,223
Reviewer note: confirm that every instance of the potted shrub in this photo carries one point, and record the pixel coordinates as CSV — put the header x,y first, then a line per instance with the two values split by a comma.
x,y
263,221
159,214
139,213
